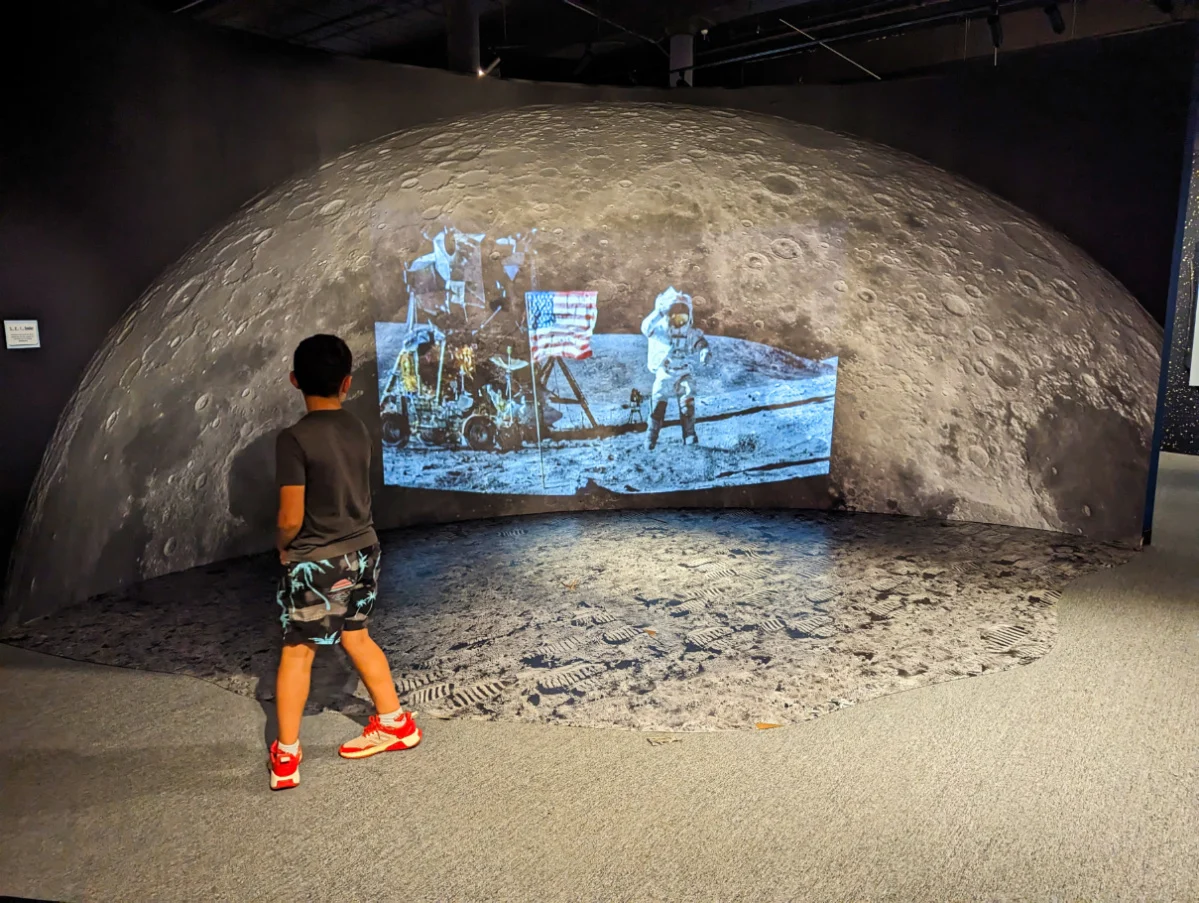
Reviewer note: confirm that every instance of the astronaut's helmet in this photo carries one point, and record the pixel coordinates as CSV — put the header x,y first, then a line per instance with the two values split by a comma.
x,y
679,315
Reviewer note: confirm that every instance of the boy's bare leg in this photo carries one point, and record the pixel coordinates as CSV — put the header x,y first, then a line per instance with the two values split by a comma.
x,y
291,689
374,669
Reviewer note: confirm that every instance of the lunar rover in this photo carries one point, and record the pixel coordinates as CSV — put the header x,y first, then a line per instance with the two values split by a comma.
x,y
436,396
439,394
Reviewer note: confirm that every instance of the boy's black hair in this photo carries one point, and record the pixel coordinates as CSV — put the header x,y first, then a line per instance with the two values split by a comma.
x,y
320,364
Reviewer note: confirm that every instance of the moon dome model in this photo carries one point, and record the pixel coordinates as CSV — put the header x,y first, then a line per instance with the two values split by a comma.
x,y
988,369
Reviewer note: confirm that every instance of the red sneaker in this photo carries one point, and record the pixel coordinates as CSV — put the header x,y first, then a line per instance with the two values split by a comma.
x,y
379,737
285,768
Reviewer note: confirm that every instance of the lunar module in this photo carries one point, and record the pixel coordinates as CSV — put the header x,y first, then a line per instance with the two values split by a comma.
x,y
456,381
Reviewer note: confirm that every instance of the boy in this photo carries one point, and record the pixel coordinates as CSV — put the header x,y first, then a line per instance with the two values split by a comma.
x,y
328,548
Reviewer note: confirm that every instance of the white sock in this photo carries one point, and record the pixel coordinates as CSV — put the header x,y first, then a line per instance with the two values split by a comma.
x,y
393,718
290,748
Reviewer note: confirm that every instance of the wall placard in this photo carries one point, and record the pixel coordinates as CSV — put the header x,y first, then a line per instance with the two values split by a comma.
x,y
21,334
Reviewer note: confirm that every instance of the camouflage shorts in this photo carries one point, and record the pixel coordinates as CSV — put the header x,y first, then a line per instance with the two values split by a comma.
x,y
320,599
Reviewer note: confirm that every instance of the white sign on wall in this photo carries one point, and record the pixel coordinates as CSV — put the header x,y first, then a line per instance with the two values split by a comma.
x,y
21,334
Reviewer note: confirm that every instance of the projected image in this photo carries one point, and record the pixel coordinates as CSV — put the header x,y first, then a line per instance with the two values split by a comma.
x,y
496,384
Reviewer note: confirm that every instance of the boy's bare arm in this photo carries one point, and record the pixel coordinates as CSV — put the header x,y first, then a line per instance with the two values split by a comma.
x,y
290,519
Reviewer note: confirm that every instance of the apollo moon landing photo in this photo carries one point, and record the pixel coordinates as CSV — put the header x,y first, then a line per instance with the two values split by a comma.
x,y
495,384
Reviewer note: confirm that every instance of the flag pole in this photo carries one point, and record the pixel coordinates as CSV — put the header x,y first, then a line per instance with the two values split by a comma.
x,y
533,374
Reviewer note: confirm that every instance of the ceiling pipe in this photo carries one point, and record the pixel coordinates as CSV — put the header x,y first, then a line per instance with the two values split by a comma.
x,y
922,6
847,59
876,11
362,17
791,50
583,9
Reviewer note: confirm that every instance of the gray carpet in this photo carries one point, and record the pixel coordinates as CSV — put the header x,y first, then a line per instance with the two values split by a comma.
x,y
1075,777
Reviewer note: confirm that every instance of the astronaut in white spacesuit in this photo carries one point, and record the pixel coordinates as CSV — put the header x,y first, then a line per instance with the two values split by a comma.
x,y
676,349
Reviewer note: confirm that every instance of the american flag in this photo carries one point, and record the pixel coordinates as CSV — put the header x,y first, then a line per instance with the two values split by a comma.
x,y
560,324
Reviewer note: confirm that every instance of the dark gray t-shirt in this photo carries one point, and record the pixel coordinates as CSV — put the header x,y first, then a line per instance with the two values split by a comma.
x,y
329,454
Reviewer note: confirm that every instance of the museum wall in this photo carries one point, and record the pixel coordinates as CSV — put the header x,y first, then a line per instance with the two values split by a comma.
x,y
1180,407
174,452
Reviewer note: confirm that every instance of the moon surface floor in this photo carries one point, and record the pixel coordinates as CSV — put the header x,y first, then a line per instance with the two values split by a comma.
x,y
659,620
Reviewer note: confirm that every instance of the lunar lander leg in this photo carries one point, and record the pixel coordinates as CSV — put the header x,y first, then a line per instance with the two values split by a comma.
x,y
543,374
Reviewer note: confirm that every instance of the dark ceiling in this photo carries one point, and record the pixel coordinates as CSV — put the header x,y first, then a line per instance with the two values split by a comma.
x,y
626,41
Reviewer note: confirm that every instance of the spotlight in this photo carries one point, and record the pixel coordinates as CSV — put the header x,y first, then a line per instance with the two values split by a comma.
x,y
1056,22
487,71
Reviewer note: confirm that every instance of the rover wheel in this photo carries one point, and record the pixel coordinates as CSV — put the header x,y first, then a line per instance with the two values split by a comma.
x,y
480,432
396,430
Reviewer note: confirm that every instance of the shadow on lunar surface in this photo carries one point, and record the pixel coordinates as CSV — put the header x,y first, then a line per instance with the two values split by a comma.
x,y
252,500
656,620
